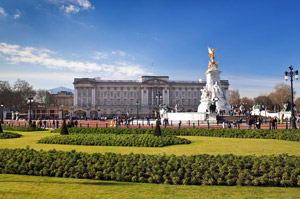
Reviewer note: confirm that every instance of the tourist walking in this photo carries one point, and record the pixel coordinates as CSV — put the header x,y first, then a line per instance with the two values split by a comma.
x,y
249,122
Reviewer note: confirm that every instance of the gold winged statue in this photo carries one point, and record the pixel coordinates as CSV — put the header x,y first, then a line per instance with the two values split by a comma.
x,y
212,58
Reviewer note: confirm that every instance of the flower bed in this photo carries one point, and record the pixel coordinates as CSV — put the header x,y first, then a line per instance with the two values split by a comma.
x,y
22,128
8,135
282,170
114,140
290,135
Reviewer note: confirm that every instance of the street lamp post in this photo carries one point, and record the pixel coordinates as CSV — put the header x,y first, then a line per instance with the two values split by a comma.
x,y
2,112
286,77
30,100
158,97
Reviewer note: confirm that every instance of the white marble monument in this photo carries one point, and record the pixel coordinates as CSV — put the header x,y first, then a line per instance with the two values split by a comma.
x,y
214,98
213,92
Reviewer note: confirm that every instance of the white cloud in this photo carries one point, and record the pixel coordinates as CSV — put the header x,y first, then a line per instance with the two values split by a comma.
x,y
73,6
105,55
71,9
100,55
18,14
2,11
16,54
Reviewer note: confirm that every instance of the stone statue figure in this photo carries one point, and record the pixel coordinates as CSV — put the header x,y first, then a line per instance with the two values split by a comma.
x,y
287,105
163,110
218,90
205,93
176,108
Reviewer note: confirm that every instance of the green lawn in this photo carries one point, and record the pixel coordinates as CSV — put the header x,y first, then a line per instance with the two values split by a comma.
x,y
32,187
14,186
199,145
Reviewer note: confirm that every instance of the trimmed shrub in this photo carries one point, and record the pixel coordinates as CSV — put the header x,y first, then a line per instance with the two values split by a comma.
x,y
22,128
157,130
114,140
64,129
279,170
8,135
286,134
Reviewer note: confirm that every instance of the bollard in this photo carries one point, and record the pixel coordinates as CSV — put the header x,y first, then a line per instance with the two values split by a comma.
x,y
198,122
171,123
193,125
105,125
96,125
139,126
152,126
270,125
179,125
286,124
143,122
189,123
208,124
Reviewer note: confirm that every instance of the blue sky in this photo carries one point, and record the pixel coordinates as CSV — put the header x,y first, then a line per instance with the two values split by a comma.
x,y
49,42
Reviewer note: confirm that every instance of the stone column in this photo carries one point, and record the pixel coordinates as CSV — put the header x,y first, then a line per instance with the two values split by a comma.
x,y
142,96
93,96
75,97
146,99
88,112
152,96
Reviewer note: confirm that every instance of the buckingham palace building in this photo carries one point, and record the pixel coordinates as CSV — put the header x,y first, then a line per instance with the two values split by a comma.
x,y
94,98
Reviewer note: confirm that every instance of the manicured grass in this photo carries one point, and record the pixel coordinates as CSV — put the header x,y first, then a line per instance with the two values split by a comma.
x,y
32,187
199,145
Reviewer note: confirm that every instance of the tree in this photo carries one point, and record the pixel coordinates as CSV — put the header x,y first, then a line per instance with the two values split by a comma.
x,y
22,90
281,93
40,96
297,103
234,97
6,94
264,100
64,129
247,102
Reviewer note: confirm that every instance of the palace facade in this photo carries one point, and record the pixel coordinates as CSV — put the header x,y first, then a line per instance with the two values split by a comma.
x,y
94,97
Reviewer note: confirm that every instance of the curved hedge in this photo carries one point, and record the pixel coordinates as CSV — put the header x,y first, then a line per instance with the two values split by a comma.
x,y
282,170
22,128
289,134
114,140
8,135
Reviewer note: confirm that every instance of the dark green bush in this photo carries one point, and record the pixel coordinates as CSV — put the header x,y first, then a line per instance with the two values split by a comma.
x,y
157,131
114,140
22,128
64,129
281,170
288,134
8,135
